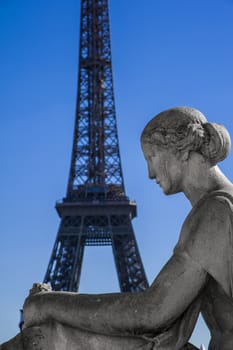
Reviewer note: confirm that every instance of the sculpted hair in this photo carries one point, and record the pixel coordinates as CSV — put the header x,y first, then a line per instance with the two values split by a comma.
x,y
186,129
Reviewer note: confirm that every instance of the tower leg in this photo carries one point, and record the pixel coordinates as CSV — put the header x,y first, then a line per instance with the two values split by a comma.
x,y
129,266
65,265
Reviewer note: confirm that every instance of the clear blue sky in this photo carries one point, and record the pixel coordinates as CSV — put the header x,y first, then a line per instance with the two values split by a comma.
x,y
165,53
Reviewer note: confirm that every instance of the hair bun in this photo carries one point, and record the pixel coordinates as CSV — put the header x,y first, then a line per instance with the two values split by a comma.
x,y
218,143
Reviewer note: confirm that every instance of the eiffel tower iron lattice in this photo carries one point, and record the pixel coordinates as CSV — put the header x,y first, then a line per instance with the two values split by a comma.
x,y
96,210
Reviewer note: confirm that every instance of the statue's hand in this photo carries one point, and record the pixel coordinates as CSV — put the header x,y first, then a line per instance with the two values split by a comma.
x,y
40,287
35,311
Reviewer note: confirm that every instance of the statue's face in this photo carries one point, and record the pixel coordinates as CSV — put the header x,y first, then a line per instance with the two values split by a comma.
x,y
165,168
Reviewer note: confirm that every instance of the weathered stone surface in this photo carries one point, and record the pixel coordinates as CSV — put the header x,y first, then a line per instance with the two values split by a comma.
x,y
54,336
31,338
181,149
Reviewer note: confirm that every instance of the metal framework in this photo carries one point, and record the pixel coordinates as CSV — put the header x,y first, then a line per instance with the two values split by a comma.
x,y
96,210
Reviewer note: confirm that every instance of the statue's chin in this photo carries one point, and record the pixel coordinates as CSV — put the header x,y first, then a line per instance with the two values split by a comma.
x,y
169,191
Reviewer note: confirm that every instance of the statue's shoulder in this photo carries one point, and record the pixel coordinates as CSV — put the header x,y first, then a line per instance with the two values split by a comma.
x,y
214,210
209,218
215,200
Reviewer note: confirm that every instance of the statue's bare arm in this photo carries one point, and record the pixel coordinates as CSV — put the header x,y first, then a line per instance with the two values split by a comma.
x,y
173,290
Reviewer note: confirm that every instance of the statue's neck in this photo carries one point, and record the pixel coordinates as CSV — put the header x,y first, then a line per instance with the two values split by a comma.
x,y
212,179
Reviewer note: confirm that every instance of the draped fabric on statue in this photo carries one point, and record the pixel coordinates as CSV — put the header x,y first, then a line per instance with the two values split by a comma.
x,y
196,240
206,238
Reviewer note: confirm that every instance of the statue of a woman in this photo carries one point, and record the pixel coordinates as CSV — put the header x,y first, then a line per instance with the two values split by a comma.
x,y
181,149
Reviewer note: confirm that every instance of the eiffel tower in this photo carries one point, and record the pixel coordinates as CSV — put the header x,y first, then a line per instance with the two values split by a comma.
x,y
96,210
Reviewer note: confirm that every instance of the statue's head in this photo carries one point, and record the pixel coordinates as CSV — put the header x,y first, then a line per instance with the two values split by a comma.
x,y
181,139
185,129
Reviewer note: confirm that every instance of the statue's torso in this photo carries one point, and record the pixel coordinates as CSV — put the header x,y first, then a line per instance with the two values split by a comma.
x,y
208,240
217,310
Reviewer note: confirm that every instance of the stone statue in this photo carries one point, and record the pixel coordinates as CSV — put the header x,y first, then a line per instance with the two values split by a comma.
x,y
181,149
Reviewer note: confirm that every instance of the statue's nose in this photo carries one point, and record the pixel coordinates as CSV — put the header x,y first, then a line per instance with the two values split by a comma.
x,y
151,172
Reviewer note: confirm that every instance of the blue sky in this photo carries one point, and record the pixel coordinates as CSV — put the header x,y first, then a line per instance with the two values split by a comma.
x,y
165,53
